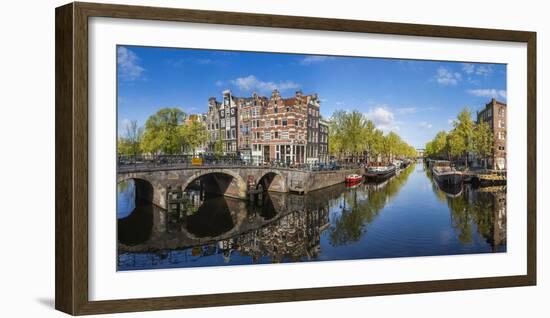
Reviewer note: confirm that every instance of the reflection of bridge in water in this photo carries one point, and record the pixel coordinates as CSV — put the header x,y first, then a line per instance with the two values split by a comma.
x,y
222,218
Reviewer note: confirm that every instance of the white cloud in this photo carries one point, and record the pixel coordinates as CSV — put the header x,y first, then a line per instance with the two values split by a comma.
x,y
383,118
447,77
477,69
128,63
425,125
407,110
468,68
219,83
488,92
315,59
251,83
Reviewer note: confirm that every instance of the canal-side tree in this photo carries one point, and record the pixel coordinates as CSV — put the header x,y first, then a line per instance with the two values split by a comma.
x,y
483,141
354,133
455,144
337,145
162,132
218,146
377,144
391,144
130,141
464,129
370,140
194,135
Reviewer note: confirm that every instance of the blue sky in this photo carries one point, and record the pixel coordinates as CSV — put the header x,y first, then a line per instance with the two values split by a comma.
x,y
414,98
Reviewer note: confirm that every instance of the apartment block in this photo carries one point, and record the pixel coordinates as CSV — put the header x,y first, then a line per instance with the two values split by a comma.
x,y
494,114
274,129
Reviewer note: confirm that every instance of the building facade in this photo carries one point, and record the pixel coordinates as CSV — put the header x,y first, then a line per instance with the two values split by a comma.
x,y
494,114
281,135
323,141
313,116
265,130
213,124
228,123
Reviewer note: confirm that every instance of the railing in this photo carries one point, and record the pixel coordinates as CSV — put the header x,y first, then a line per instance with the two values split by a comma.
x,y
131,163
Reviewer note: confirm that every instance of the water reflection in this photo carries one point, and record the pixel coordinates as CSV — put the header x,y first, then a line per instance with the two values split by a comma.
x,y
406,215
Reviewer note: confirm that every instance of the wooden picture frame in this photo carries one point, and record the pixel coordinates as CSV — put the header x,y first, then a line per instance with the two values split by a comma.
x,y
71,90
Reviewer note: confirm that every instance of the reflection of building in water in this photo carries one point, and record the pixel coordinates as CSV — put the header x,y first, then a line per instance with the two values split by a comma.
x,y
293,236
486,209
499,235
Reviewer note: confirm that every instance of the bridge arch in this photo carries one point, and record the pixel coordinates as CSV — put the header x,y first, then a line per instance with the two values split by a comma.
x,y
144,190
272,181
221,181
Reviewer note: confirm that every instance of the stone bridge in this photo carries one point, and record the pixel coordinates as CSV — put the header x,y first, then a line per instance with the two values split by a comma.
x,y
232,181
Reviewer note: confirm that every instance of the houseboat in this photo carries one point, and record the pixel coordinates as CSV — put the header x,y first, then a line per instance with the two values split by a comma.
x,y
444,174
379,173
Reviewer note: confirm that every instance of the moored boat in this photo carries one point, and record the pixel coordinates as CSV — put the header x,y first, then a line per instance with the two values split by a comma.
x,y
378,173
353,178
444,174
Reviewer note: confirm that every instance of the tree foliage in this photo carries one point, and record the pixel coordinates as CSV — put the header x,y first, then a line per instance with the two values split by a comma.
x,y
162,132
466,137
353,136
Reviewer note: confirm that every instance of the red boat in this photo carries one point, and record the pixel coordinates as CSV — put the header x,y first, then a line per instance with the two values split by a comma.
x,y
354,178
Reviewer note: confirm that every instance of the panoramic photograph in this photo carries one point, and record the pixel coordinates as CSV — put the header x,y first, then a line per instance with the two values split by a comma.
x,y
241,158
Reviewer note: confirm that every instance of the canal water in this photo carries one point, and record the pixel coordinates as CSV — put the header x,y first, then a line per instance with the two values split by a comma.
x,y
407,215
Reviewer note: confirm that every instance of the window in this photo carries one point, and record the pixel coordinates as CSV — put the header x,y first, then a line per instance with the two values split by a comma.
x,y
276,135
267,135
501,148
501,123
501,112
223,123
232,111
288,108
284,122
284,135
267,123
276,122
222,113
232,121
276,109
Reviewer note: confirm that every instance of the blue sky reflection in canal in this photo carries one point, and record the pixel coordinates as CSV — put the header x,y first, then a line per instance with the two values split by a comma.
x,y
404,216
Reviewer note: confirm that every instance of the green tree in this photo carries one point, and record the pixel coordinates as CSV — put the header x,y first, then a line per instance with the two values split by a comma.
x,y
456,144
131,140
193,134
218,146
336,134
162,132
354,130
483,141
464,128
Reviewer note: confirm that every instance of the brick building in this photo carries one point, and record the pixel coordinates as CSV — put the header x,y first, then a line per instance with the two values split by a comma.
x,y
281,135
262,129
494,114
250,112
